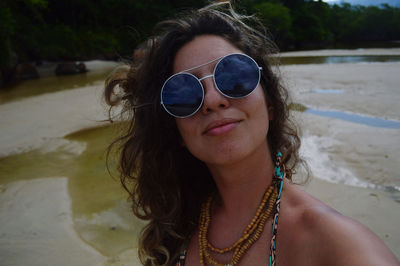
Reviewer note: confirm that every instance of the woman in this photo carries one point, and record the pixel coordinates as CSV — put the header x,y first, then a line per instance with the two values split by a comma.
x,y
210,152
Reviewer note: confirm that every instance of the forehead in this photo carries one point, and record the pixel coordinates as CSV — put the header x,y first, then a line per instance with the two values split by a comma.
x,y
200,50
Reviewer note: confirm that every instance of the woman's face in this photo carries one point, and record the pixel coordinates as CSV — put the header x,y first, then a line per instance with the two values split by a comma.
x,y
224,130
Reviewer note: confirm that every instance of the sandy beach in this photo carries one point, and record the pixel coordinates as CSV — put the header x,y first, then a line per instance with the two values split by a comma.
x,y
37,227
355,166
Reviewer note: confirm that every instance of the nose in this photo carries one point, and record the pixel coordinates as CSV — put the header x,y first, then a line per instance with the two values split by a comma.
x,y
213,99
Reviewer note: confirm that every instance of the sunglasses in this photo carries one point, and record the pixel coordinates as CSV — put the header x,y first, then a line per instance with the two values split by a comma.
x,y
235,76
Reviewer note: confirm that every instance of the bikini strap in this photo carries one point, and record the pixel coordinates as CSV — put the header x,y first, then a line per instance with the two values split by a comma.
x,y
279,176
182,257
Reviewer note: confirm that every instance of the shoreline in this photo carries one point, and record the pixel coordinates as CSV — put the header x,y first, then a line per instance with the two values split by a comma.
x,y
71,110
342,52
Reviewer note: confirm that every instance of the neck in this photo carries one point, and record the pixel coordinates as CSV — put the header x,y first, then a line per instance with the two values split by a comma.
x,y
241,185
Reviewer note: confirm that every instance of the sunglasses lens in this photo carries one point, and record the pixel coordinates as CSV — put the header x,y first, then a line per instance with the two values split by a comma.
x,y
237,75
182,95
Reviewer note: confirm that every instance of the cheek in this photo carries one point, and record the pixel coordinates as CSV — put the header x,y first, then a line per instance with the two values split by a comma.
x,y
186,129
266,102
260,111
258,103
189,139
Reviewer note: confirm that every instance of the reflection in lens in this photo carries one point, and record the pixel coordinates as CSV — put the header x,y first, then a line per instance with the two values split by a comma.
x,y
236,75
182,95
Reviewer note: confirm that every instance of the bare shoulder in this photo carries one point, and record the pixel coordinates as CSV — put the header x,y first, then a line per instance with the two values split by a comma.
x,y
322,236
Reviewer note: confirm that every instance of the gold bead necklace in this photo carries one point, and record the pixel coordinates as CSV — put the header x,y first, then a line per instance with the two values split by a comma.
x,y
250,235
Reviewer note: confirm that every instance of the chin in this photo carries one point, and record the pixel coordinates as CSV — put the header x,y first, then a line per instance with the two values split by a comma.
x,y
225,157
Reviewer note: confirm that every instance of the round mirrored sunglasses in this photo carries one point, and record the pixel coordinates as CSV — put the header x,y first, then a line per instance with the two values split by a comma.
x,y
235,76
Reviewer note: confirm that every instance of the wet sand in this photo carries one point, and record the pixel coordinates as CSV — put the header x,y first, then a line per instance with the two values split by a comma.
x,y
366,88
29,123
355,166
37,227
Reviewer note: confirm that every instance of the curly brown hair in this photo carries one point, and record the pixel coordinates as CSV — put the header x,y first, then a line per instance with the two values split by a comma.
x,y
166,183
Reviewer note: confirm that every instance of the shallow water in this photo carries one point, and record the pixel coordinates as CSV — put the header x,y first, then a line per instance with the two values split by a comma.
x,y
52,83
100,211
328,91
357,118
294,60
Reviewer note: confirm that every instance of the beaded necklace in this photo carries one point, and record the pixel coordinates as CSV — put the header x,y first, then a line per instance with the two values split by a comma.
x,y
253,230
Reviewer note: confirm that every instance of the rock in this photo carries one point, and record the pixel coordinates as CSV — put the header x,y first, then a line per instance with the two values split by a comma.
x,y
26,71
82,67
70,68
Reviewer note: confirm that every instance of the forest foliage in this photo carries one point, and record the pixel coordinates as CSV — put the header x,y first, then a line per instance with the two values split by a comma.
x,y
36,30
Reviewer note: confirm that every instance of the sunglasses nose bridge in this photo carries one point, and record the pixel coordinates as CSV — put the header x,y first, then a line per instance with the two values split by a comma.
x,y
208,76
203,84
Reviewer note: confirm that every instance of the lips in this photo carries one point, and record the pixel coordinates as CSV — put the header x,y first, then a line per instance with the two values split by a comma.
x,y
221,127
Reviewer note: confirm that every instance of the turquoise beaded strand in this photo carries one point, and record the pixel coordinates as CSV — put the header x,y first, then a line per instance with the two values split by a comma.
x,y
279,175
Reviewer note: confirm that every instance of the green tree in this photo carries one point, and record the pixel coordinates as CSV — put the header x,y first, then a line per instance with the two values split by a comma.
x,y
310,24
7,28
76,29
277,18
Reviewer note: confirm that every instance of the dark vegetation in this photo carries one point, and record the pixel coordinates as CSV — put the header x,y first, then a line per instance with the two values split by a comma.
x,y
59,30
